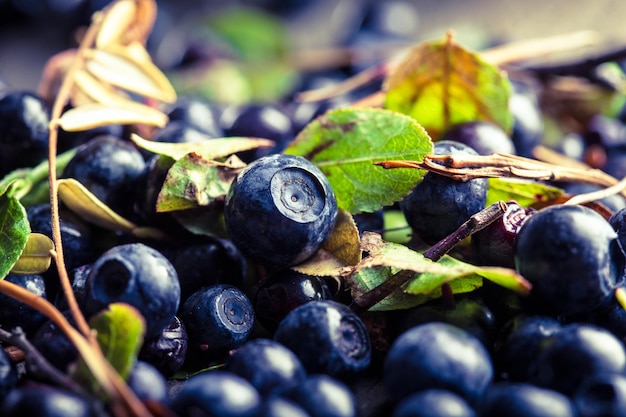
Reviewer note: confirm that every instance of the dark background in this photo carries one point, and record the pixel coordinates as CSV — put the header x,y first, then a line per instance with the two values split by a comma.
x,y
31,31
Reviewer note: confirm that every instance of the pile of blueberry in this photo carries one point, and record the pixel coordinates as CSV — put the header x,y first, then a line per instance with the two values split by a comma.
x,y
233,330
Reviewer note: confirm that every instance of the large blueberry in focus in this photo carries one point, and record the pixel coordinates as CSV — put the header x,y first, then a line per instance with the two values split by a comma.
x,y
138,275
268,365
438,205
216,393
328,338
525,400
437,355
575,353
279,210
572,258
217,318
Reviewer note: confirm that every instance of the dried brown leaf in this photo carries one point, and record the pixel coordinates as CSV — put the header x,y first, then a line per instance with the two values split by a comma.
x,y
94,115
121,67
116,23
98,91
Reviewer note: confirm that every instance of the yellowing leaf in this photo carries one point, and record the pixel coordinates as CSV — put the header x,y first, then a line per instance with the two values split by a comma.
x,y
210,149
344,242
93,115
119,67
97,90
441,84
36,256
116,23
321,264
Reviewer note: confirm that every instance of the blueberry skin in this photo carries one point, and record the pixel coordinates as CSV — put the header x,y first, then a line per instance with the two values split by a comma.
x,y
281,407
14,313
575,353
433,403
167,350
279,210
438,205
216,393
148,383
324,396
217,318
45,401
328,338
437,355
601,395
139,275
484,137
8,375
571,256
268,365
525,400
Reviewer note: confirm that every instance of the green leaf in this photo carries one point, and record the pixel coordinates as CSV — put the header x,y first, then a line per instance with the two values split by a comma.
x,y
14,229
345,143
386,259
209,149
194,181
36,256
524,192
441,84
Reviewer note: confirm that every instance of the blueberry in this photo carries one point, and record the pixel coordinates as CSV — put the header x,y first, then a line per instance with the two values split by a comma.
x,y
437,355
148,383
268,365
484,137
328,338
197,113
167,350
525,400
54,345
571,256
14,313
109,167
216,393
573,354
434,403
283,291
281,407
324,396
601,395
8,375
258,120
24,122
528,125
138,275
438,205
217,318
45,401
518,343
280,209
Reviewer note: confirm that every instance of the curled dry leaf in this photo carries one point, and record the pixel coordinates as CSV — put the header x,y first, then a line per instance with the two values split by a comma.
x,y
125,22
93,115
121,67
97,91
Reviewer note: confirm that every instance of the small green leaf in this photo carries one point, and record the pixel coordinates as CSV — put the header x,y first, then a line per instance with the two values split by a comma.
x,y
36,256
204,221
441,84
344,242
120,331
14,230
397,229
194,181
524,192
345,143
386,259
209,149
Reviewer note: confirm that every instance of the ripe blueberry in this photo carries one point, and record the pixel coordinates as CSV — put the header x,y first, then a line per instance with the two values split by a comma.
x,y
279,210
525,400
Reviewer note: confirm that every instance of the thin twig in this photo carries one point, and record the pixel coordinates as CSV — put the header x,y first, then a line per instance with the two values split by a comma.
x,y
475,223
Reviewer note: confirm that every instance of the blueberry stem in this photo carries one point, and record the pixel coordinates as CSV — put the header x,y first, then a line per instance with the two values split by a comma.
x,y
37,364
475,223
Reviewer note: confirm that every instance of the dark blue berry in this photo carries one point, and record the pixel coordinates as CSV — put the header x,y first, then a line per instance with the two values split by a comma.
x,y
8,375
138,275
216,393
217,318
54,345
14,313
45,401
571,256
268,365
438,205
324,396
198,114
281,407
434,403
525,400
528,125
573,354
280,209
484,137
148,383
167,350
437,355
328,338
601,395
